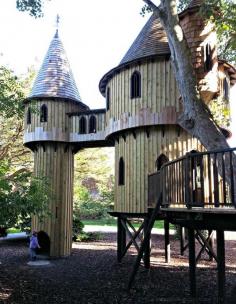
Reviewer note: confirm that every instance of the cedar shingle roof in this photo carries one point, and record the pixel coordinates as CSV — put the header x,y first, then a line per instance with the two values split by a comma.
x,y
195,3
55,77
150,42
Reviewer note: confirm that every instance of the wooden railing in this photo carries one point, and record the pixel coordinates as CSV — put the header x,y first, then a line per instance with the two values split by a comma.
x,y
199,179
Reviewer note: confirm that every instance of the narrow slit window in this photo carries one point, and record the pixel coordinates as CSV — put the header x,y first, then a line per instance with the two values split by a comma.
x,y
43,113
92,124
161,160
28,116
121,180
82,125
226,89
207,58
108,92
135,85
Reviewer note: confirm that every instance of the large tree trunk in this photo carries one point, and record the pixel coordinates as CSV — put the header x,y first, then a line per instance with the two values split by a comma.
x,y
196,117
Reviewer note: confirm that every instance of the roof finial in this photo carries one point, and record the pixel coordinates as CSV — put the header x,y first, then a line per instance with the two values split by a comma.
x,y
57,24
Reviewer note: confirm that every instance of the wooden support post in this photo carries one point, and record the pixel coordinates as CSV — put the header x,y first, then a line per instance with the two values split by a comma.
x,y
182,240
167,241
192,262
147,250
221,265
121,239
211,243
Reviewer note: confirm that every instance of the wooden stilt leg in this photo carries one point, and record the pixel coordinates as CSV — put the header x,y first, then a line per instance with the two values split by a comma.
x,y
121,239
211,243
147,250
182,240
192,262
167,241
221,265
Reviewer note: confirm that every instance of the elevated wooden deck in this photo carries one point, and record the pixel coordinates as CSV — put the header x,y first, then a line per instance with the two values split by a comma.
x,y
197,192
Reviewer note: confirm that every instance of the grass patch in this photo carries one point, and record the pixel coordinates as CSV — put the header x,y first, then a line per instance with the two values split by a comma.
x,y
112,222
13,230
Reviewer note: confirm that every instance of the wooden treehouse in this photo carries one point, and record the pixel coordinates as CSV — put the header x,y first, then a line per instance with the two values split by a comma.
x,y
153,162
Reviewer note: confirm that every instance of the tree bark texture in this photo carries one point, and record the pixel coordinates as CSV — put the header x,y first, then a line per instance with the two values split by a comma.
x,y
196,117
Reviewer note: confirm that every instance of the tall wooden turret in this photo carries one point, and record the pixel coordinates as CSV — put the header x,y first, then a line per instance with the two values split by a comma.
x,y
47,134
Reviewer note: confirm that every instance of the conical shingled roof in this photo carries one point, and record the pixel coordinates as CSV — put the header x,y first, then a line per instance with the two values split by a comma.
x,y
195,3
55,78
151,41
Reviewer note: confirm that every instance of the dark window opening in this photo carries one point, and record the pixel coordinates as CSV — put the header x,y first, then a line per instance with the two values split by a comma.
x,y
29,116
43,113
92,124
226,89
121,180
161,160
135,91
207,57
108,98
82,125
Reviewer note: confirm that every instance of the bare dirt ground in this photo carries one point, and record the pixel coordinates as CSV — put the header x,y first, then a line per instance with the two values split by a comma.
x,y
92,276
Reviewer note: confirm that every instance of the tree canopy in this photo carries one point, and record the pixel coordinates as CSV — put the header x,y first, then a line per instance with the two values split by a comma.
x,y
21,194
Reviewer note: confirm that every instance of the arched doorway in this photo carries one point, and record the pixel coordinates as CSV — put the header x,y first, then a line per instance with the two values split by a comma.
x,y
44,243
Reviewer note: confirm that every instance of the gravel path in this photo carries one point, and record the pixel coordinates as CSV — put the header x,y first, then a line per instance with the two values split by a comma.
x,y
92,276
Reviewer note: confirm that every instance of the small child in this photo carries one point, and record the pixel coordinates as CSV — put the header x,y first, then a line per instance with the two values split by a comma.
x,y
34,244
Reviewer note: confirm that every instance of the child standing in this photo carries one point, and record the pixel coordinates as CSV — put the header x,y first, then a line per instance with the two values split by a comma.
x,y
33,246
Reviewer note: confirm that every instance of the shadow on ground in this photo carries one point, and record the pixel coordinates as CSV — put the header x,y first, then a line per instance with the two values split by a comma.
x,y
92,276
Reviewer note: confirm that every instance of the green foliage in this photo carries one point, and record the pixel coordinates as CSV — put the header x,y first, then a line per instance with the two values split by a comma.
x,y
87,207
11,94
222,14
21,196
221,111
33,7
94,183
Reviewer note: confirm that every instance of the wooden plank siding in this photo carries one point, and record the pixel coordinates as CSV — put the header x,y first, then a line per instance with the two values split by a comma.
x,y
158,90
57,164
140,153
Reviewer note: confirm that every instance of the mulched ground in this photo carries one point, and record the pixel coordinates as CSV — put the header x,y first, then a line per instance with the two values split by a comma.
x,y
93,276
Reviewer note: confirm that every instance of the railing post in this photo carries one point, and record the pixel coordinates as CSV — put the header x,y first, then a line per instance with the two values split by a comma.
x,y
187,180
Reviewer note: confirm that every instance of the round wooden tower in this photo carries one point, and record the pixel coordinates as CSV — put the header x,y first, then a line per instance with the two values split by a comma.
x,y
142,109
54,95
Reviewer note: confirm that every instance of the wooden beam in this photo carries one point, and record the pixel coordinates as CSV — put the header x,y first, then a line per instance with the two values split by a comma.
x,y
221,265
167,241
192,262
121,239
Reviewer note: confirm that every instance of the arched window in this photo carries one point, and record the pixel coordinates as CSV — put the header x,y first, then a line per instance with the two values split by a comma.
x,y
92,124
207,57
108,98
161,160
82,125
121,177
135,85
43,113
28,116
226,89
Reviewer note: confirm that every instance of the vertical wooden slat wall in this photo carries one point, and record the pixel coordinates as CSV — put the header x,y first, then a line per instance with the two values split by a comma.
x,y
158,91
140,153
57,164
55,160
140,147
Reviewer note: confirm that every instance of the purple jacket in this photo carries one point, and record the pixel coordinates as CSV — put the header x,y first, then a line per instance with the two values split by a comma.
x,y
34,242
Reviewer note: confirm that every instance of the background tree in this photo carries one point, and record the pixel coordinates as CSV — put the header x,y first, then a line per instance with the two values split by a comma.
x,y
21,194
94,183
